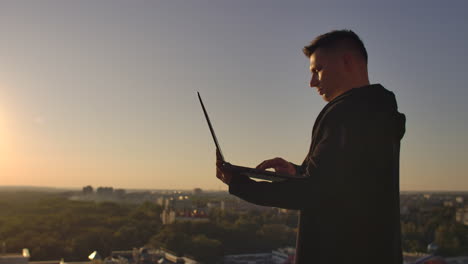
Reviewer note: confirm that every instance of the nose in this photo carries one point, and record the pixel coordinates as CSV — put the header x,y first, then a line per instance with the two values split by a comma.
x,y
314,82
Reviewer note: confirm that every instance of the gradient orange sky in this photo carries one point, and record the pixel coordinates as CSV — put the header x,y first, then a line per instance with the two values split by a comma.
x,y
104,93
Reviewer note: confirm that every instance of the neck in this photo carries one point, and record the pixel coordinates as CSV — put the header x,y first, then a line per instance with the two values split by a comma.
x,y
356,82
359,81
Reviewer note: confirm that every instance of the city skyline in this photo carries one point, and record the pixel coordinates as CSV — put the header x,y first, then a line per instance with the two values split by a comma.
x,y
104,93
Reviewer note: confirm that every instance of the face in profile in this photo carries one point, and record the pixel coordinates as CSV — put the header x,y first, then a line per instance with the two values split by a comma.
x,y
328,74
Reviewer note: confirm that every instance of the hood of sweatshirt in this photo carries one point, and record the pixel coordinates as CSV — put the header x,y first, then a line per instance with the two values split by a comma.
x,y
376,99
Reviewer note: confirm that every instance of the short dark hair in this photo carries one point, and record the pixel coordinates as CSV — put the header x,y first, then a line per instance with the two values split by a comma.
x,y
337,39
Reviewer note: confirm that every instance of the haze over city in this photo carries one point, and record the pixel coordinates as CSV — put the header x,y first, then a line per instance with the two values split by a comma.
x,y
104,92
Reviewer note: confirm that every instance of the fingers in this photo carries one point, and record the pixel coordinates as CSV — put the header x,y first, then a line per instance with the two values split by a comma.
x,y
219,160
219,174
275,163
267,164
223,176
262,165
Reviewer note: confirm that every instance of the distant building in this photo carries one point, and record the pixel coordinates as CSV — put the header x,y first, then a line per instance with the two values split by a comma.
x,y
13,259
146,256
448,204
461,215
457,260
214,204
283,255
161,201
197,191
409,258
279,256
182,203
192,219
65,262
168,216
24,259
168,257
286,211
259,258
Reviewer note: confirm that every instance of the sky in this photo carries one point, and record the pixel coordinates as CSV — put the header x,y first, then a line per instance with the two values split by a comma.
x,y
103,93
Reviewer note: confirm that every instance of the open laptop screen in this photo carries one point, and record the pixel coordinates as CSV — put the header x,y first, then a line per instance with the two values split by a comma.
x,y
211,127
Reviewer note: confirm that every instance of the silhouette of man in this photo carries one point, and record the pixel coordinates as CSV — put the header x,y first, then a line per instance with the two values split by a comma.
x,y
349,195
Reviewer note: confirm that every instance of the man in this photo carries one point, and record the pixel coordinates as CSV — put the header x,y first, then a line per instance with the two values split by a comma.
x,y
349,195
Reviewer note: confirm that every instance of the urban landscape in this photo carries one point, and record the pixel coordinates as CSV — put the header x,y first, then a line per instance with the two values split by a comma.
x,y
107,225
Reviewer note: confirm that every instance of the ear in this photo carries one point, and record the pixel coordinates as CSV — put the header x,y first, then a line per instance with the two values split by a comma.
x,y
348,61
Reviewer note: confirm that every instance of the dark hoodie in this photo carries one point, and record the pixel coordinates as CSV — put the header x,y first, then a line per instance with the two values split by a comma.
x,y
349,196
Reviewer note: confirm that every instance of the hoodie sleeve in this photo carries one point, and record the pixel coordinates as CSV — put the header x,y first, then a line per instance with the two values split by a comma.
x,y
321,169
300,169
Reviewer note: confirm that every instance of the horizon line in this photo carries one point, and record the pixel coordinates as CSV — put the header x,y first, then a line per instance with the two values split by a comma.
x,y
172,189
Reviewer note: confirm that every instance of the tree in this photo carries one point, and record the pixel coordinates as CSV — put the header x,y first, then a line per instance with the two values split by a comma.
x,y
88,190
205,249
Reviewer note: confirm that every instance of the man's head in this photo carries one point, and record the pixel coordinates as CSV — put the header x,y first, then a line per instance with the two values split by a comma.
x,y
338,63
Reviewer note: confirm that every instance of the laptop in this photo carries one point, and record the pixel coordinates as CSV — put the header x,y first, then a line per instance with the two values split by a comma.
x,y
249,172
